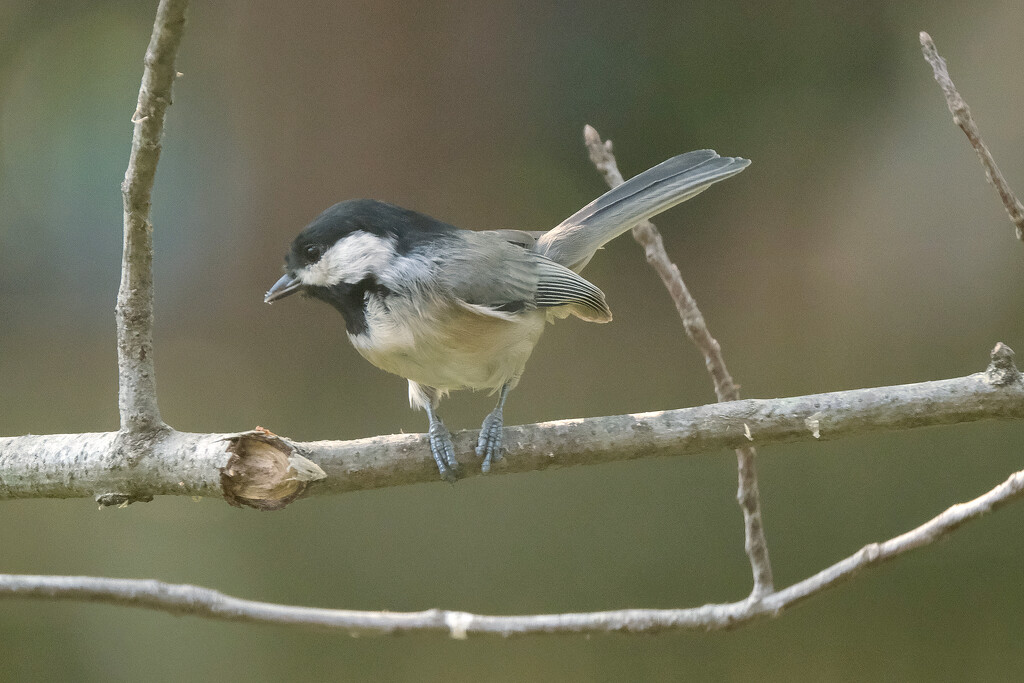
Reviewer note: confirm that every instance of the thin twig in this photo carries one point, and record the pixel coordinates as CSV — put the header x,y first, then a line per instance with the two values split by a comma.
x,y
86,465
962,117
136,374
204,602
747,495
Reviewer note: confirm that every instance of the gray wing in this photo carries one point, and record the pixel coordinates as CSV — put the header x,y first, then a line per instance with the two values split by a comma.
x,y
494,273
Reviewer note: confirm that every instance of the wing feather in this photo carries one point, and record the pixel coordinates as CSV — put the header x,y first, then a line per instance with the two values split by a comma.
x,y
559,286
498,278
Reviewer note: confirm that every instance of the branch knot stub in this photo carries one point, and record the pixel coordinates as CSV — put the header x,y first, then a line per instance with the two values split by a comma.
x,y
121,499
871,552
1002,370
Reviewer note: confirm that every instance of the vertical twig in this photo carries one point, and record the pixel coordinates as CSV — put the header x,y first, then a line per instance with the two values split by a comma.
x,y
136,375
962,117
725,389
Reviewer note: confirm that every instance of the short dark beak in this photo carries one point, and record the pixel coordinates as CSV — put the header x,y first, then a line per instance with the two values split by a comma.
x,y
282,288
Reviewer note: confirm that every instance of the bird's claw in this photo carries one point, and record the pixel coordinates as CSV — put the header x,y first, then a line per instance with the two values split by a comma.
x,y
489,444
443,450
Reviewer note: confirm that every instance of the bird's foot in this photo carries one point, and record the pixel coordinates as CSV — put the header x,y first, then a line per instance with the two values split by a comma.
x,y
443,450
489,443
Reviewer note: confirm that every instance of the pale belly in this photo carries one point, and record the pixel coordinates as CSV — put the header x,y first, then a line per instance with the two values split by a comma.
x,y
470,351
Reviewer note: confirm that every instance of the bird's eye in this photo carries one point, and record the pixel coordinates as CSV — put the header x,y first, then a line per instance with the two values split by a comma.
x,y
313,252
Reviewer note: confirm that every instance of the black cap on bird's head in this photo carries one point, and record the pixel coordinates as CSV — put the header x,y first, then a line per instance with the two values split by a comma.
x,y
355,231
310,245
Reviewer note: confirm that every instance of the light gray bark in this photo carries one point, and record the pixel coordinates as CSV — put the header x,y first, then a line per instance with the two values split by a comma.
x,y
136,373
87,465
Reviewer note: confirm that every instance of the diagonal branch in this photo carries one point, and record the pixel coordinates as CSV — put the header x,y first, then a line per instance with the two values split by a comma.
x,y
136,374
204,602
962,117
696,328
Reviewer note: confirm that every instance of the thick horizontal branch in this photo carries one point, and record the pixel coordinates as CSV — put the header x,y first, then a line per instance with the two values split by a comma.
x,y
204,602
86,465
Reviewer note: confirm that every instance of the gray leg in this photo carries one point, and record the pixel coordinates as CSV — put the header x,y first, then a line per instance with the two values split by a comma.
x,y
441,448
491,431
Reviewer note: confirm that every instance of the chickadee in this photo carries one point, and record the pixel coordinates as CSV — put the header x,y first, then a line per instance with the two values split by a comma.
x,y
458,309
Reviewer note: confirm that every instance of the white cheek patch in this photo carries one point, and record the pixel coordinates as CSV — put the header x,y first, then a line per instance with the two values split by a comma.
x,y
351,259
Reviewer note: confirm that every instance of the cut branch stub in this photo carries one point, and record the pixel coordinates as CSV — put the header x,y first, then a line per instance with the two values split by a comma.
x,y
265,471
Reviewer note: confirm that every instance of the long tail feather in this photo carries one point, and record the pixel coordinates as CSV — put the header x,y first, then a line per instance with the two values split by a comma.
x,y
575,240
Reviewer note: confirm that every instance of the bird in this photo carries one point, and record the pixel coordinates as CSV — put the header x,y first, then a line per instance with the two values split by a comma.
x,y
451,309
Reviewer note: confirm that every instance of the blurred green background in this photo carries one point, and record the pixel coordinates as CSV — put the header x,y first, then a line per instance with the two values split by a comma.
x,y
862,248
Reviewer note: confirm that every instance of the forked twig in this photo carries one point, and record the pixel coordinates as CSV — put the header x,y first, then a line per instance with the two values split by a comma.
x,y
205,602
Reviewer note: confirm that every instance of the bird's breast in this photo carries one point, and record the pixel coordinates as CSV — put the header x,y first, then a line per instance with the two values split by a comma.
x,y
444,345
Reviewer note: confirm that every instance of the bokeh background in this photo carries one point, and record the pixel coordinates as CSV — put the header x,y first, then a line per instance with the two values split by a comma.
x,y
861,248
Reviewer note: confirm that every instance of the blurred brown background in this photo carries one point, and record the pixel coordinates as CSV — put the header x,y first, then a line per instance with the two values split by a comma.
x,y
862,248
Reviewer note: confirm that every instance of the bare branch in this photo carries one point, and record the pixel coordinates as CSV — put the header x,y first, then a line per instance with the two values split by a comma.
x,y
257,468
178,463
136,375
696,328
962,117
204,602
